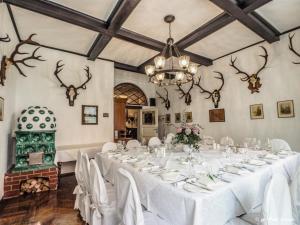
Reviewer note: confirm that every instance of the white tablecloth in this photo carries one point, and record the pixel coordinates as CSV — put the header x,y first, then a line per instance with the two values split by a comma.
x,y
180,207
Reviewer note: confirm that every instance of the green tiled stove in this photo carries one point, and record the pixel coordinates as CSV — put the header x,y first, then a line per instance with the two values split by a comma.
x,y
35,139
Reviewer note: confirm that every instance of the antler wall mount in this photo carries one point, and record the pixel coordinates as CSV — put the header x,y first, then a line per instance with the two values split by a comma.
x,y
165,100
11,60
253,80
186,94
291,47
5,39
71,90
215,95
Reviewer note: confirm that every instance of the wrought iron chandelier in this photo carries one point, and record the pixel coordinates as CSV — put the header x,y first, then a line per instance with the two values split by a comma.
x,y
170,67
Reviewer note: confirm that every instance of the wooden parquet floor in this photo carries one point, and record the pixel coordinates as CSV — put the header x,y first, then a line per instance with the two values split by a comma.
x,y
47,208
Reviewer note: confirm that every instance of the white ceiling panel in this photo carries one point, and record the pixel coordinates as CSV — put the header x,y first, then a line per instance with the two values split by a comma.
x,y
228,39
97,8
52,32
147,17
283,14
126,52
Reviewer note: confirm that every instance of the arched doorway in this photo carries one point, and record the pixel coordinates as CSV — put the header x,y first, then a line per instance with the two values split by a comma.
x,y
128,101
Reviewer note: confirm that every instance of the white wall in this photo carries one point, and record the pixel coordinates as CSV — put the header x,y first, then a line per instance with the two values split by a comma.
x,y
280,81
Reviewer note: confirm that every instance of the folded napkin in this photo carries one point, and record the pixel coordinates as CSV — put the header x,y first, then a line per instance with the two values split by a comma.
x,y
112,154
271,156
194,188
284,153
171,176
245,166
140,163
256,162
208,182
149,167
234,170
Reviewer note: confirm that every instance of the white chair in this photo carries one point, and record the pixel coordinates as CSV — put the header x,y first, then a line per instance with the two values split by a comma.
x,y
276,208
227,141
280,145
154,141
169,138
103,209
237,221
295,195
84,161
109,146
133,144
80,188
208,140
129,207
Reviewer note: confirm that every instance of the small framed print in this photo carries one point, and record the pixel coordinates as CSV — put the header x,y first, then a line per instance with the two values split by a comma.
x,y
89,115
217,115
1,109
188,117
177,117
285,109
168,118
256,111
105,114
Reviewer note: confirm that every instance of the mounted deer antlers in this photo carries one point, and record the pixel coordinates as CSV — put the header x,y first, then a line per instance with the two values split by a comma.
x,y
71,90
254,79
165,100
11,60
215,95
5,39
187,96
291,47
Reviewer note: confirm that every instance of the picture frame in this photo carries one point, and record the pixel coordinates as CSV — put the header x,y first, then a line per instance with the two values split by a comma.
x,y
168,118
89,115
1,109
177,117
285,109
188,117
217,115
256,111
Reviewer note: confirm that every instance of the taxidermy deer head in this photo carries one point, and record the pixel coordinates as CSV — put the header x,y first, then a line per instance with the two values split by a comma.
x,y
186,94
291,47
254,79
5,39
215,95
71,90
165,100
11,60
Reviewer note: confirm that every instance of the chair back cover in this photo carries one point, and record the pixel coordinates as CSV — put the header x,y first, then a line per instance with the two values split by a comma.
x,y
128,201
169,138
85,162
109,146
133,144
295,195
277,207
280,145
98,188
227,141
78,169
154,141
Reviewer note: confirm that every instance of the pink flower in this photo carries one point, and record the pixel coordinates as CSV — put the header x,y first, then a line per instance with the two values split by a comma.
x,y
195,130
178,129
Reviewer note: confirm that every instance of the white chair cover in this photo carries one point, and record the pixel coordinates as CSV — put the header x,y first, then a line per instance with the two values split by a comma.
x,y
154,141
208,140
227,141
295,195
86,179
101,211
133,144
280,145
79,189
237,221
109,146
169,138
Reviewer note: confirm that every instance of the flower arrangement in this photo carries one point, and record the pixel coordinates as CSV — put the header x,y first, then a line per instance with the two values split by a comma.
x,y
188,134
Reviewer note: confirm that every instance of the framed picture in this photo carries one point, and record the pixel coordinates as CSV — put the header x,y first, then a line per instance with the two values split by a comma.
x,y
89,115
1,109
285,109
256,111
188,117
217,115
177,117
148,117
168,118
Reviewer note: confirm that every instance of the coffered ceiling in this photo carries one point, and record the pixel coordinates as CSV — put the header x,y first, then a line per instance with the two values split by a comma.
x,y
131,32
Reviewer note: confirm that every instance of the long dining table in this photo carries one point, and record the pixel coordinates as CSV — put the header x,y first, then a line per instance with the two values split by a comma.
x,y
208,188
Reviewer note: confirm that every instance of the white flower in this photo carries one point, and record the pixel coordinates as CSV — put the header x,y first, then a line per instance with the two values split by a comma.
x,y
188,131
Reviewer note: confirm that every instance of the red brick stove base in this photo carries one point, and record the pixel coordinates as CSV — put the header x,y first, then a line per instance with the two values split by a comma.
x,y
12,180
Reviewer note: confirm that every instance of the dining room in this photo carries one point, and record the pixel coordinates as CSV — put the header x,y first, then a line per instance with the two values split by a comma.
x,y
136,112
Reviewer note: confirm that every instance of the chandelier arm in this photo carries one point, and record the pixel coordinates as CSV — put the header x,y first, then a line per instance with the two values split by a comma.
x,y
177,52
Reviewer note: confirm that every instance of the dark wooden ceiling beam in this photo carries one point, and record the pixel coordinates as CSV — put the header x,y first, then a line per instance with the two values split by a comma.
x,y
249,21
126,67
118,17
